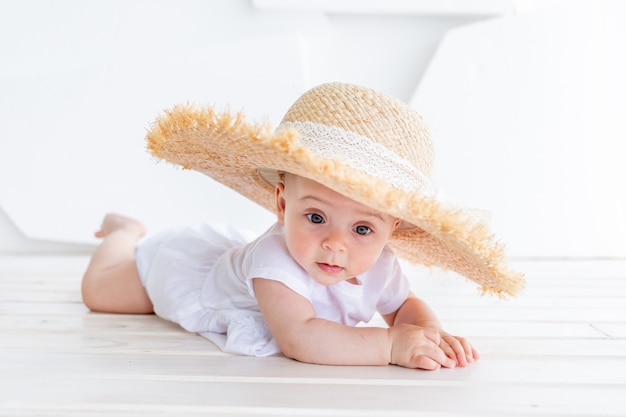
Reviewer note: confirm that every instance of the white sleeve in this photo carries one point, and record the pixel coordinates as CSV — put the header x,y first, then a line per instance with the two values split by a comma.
x,y
395,290
269,259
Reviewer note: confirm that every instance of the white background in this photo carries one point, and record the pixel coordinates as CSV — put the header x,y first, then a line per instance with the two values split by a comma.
x,y
526,106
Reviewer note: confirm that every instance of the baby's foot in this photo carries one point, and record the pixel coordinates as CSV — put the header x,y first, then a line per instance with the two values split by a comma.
x,y
113,222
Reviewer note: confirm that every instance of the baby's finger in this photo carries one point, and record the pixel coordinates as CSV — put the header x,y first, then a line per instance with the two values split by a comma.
x,y
457,348
468,352
443,358
435,354
426,363
475,354
469,349
448,350
448,362
462,348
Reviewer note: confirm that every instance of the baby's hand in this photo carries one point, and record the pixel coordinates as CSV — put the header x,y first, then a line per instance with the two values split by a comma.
x,y
419,347
458,349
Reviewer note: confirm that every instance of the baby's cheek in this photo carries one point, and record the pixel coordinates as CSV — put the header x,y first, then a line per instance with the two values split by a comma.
x,y
368,257
297,247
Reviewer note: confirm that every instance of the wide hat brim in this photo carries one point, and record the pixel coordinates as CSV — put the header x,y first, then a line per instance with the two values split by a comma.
x,y
233,151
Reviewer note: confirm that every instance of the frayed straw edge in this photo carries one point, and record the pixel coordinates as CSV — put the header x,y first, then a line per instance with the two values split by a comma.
x,y
459,225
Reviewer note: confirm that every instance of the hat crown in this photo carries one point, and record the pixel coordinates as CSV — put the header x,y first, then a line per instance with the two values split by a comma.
x,y
383,119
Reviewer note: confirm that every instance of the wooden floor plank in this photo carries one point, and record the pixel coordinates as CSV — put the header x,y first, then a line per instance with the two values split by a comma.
x,y
557,350
150,324
333,399
183,343
280,370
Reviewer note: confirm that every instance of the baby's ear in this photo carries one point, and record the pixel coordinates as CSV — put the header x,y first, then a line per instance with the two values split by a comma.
x,y
395,226
280,202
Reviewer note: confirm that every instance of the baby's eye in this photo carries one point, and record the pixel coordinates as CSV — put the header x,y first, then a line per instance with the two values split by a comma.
x,y
315,218
362,230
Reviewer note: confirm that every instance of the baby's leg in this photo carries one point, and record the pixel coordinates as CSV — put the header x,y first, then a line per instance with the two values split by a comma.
x,y
111,283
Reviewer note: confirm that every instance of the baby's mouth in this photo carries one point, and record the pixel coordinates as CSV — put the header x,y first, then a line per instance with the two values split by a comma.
x,y
329,269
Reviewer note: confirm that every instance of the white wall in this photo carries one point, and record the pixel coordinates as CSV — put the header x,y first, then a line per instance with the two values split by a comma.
x,y
534,119
81,81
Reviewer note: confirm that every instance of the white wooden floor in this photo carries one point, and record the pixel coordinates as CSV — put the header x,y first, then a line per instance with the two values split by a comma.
x,y
558,350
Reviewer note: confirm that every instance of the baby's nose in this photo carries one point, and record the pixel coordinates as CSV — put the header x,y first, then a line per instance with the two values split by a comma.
x,y
335,241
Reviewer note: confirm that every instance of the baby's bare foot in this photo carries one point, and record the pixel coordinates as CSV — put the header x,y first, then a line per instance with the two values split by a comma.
x,y
113,222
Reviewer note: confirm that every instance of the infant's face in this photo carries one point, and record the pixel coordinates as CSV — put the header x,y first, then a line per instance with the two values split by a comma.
x,y
331,236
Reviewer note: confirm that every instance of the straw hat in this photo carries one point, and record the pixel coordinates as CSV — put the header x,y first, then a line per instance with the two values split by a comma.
x,y
359,142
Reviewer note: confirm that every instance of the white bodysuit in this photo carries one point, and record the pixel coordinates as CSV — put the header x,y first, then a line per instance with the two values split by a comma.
x,y
201,278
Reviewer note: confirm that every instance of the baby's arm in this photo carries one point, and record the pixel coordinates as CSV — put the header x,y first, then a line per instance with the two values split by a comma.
x,y
416,312
302,336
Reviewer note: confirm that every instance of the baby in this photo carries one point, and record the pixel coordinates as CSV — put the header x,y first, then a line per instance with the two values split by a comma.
x,y
347,174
